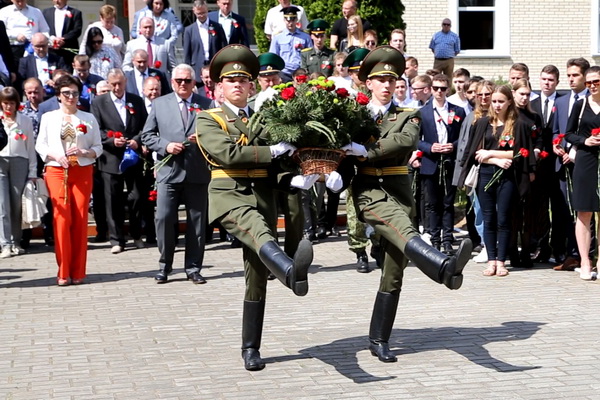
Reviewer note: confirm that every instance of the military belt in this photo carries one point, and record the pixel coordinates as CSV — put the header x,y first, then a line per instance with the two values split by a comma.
x,y
384,171
239,173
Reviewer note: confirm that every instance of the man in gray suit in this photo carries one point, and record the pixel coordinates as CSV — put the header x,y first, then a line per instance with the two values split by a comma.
x,y
183,178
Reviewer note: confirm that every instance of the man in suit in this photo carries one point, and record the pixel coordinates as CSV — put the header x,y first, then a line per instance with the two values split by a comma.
x,y
234,25
383,197
41,64
544,105
241,192
440,129
564,244
138,75
184,178
7,55
65,24
81,70
161,54
202,40
121,117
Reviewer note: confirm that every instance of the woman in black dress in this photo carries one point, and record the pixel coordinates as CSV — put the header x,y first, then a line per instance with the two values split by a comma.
x,y
496,145
583,131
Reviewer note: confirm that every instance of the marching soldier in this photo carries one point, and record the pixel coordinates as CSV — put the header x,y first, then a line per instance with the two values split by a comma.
x,y
318,58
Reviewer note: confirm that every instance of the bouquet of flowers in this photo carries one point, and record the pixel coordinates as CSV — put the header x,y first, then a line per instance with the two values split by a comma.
x,y
318,119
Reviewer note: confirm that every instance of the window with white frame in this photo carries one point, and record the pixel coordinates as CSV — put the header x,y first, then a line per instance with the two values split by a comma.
x,y
483,27
595,27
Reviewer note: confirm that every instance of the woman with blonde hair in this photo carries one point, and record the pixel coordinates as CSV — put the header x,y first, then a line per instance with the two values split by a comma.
x,y
355,36
112,35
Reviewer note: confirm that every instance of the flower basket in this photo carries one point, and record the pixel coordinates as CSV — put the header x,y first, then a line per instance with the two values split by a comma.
x,y
314,160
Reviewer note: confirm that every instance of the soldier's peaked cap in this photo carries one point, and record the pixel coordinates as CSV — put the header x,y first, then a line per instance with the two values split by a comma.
x,y
233,61
382,61
355,59
317,26
270,64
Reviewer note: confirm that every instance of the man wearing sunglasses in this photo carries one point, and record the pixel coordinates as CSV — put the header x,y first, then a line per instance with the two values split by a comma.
x,y
318,58
440,129
445,45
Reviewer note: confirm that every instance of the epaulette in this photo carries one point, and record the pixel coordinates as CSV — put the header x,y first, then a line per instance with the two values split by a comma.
x,y
306,49
213,110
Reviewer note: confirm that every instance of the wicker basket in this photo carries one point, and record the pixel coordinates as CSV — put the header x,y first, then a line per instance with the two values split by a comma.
x,y
314,160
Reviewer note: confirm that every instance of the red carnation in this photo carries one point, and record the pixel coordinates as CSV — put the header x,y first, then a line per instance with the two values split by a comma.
x,y
153,195
342,92
157,64
302,79
524,152
362,99
288,93
81,128
595,131
419,154
22,107
543,154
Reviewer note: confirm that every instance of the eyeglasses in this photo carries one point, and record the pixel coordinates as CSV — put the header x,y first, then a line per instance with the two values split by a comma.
x,y
484,94
181,80
291,18
97,41
442,88
595,82
370,43
446,24
70,94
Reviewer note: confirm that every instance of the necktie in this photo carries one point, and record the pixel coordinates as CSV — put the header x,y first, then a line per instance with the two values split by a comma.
x,y
243,116
184,112
379,117
150,53
545,113
576,97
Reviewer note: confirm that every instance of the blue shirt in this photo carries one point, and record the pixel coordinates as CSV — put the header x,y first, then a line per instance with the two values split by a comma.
x,y
289,46
445,45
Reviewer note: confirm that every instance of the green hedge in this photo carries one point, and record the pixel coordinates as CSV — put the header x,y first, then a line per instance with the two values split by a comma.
x,y
383,15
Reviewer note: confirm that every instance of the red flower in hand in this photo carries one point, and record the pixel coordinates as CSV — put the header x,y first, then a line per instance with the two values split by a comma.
x,y
288,93
302,79
362,99
524,152
543,154
419,154
157,64
342,92
153,195
113,134
81,128
595,131
558,139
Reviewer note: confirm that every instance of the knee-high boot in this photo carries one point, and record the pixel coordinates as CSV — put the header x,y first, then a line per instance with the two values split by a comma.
x,y
382,321
438,266
252,324
293,273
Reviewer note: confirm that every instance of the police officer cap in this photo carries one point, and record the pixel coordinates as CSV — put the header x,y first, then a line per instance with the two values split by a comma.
x,y
290,12
382,61
317,26
233,61
270,64
355,59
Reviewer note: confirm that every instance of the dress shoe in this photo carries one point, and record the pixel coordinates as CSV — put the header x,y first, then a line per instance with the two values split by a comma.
x,y
310,235
448,250
252,360
116,249
161,277
382,351
196,278
321,232
49,241
139,244
362,262
569,264
335,231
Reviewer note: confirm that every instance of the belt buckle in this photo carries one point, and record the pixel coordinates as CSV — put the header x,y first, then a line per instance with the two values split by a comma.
x,y
251,173
378,172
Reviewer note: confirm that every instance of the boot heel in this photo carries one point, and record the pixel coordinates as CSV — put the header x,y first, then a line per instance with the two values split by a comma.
x,y
301,288
455,282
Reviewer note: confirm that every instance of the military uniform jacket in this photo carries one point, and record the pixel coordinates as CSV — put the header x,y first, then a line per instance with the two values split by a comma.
x,y
398,138
314,60
235,149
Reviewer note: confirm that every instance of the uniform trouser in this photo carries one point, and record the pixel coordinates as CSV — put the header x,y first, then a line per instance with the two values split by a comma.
x,y
13,177
194,197
357,230
291,207
309,209
253,226
394,222
70,192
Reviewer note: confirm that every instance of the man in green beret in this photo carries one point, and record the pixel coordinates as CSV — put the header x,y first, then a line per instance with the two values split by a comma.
x,y
318,58
241,195
383,197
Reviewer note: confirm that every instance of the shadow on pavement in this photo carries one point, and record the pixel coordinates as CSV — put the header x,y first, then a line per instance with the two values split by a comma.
x,y
468,342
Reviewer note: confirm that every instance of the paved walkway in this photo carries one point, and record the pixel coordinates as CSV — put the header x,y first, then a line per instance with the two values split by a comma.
x,y
531,335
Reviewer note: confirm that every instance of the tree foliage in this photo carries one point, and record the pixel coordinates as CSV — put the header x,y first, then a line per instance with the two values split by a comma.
x,y
384,15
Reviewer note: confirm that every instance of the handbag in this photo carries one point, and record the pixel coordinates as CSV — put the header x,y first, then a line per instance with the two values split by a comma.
x,y
472,178
33,203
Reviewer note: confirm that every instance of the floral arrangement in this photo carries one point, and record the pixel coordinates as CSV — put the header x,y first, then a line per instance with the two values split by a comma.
x,y
315,114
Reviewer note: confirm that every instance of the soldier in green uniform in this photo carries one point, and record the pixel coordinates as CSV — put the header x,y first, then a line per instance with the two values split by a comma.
x,y
241,196
383,197
318,58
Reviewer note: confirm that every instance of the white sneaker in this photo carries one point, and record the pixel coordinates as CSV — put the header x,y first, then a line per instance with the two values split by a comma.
x,y
17,250
481,257
6,253
116,249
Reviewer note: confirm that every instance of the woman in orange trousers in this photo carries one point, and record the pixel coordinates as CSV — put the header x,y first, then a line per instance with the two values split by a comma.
x,y
69,142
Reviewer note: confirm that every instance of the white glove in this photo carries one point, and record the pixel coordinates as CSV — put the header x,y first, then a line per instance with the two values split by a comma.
x,y
280,149
355,149
334,181
304,182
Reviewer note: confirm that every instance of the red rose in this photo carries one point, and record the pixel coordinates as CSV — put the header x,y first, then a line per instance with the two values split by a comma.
x,y
543,155
524,152
81,128
595,131
288,93
302,79
342,92
362,99
157,64
419,154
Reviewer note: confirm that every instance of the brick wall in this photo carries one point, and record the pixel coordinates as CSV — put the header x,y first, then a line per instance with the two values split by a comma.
x,y
535,40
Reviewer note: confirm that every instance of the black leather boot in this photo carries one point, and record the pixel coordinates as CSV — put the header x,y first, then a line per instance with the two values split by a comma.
x,y
362,262
438,266
252,324
382,321
292,273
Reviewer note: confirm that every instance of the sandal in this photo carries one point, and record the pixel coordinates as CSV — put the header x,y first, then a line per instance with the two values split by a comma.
x,y
63,282
490,270
501,271
586,276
